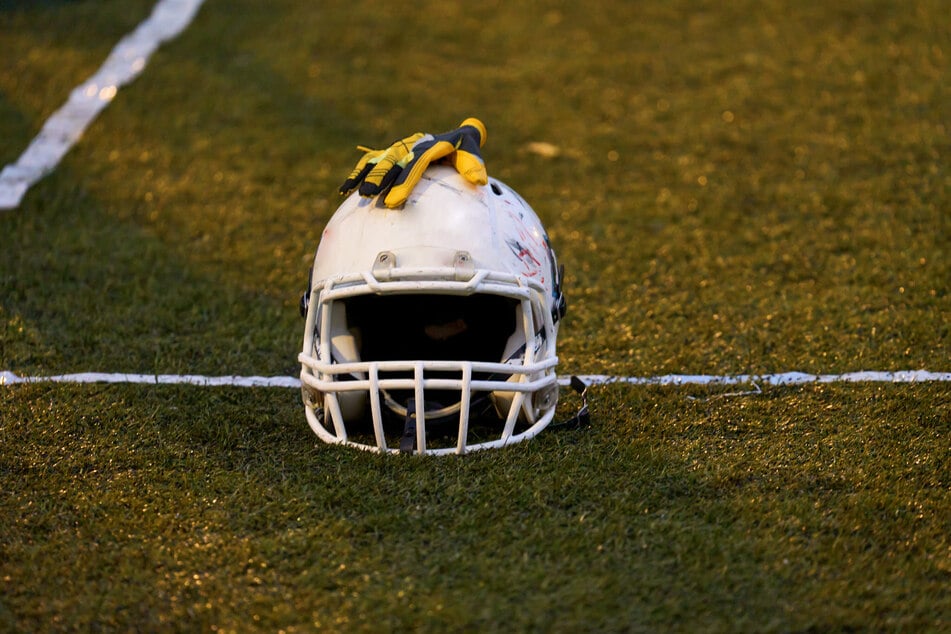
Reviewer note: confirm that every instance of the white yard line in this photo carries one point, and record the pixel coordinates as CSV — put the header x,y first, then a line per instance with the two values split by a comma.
x,y
65,127
785,378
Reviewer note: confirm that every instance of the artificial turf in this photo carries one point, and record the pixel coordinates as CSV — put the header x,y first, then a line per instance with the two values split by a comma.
x,y
735,188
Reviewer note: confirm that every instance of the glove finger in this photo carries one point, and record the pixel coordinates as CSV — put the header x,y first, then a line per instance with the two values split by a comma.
x,y
467,158
474,127
355,177
470,166
387,180
374,188
471,131
373,182
389,159
390,177
413,171
469,143
364,165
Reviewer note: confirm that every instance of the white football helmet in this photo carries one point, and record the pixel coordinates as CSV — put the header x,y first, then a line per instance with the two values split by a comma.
x,y
431,328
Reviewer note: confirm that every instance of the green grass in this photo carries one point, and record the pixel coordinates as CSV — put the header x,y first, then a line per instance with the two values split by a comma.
x,y
741,188
814,507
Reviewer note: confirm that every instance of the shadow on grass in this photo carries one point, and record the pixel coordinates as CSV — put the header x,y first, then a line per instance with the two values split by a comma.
x,y
210,503
214,504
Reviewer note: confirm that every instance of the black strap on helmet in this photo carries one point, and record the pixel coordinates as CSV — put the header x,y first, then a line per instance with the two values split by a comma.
x,y
408,439
582,419
560,305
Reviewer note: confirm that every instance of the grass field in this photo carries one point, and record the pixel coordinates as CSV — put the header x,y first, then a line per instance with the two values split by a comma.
x,y
739,188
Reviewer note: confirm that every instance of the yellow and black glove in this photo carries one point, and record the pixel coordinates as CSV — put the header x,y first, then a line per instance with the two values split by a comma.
x,y
399,167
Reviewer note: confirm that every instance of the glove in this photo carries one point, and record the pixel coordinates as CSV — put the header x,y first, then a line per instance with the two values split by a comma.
x,y
377,169
400,167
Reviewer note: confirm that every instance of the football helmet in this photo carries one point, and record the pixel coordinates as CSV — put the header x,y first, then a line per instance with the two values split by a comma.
x,y
431,328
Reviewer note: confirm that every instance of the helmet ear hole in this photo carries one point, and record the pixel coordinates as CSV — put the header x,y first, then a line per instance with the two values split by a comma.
x,y
540,402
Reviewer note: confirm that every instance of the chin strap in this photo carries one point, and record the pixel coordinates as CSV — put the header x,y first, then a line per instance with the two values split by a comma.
x,y
582,419
408,439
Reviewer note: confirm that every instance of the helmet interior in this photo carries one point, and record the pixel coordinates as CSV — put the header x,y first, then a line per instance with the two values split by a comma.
x,y
409,327
431,327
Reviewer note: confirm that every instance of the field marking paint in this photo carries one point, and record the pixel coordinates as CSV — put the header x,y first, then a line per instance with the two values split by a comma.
x,y
65,126
9,378
785,378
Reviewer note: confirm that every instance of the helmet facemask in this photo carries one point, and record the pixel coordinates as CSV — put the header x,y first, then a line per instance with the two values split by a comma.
x,y
464,354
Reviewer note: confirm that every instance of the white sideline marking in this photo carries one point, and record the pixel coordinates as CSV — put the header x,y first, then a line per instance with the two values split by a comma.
x,y
786,378
65,126
9,378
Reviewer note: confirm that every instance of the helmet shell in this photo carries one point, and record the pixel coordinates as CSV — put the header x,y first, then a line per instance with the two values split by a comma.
x,y
450,238
443,216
